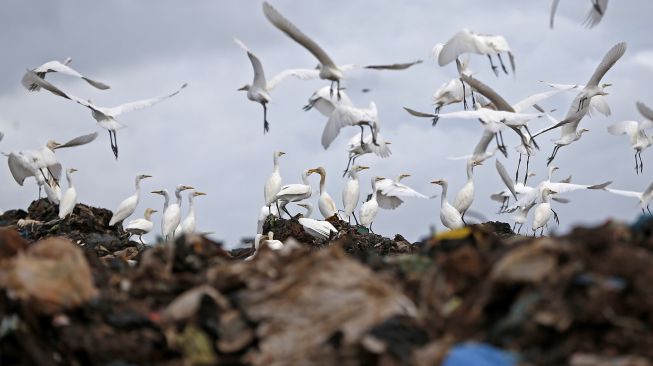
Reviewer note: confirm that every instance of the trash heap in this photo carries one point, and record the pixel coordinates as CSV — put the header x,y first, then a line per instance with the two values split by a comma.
x,y
72,294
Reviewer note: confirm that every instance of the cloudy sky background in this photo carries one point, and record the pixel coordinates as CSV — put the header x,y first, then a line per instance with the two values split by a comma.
x,y
210,135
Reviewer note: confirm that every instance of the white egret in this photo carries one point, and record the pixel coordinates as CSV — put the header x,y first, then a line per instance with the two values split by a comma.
x,y
69,199
270,242
391,194
273,184
467,41
594,15
189,224
128,205
351,192
645,111
344,115
104,116
259,90
359,146
449,216
465,196
543,211
294,192
324,101
320,229
639,140
580,106
60,67
42,164
326,204
643,197
263,215
172,213
141,226
326,69
370,208
166,201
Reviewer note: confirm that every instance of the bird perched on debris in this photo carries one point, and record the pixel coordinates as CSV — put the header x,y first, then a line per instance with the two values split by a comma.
x,y
351,192
294,192
141,226
189,224
449,216
319,229
391,194
273,184
69,198
543,212
370,208
62,68
172,213
643,197
465,196
326,204
128,205
104,116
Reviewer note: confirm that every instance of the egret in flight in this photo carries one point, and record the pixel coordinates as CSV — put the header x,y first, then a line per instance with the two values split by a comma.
x,y
594,15
391,194
467,41
104,116
643,197
62,68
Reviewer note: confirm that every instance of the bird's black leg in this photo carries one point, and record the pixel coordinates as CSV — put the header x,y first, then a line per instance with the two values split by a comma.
x,y
373,133
530,137
39,191
462,216
266,125
502,65
362,133
553,155
473,98
464,95
348,165
519,230
372,231
283,207
555,217
331,90
636,164
338,86
648,209
518,165
494,68
597,7
514,226
56,182
47,181
581,102
528,160
436,112
355,219
140,238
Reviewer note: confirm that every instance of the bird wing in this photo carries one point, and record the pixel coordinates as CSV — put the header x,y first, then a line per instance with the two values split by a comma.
x,y
325,103
2,135
79,140
398,66
596,12
30,78
401,190
645,111
554,7
531,100
56,66
460,114
570,187
259,74
461,42
483,143
19,167
488,92
298,36
340,117
383,150
420,114
56,170
600,104
388,202
128,107
625,193
302,74
566,87
505,177
323,228
631,128
608,61
648,190
293,189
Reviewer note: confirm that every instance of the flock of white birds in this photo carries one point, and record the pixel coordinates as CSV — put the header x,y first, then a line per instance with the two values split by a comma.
x,y
479,101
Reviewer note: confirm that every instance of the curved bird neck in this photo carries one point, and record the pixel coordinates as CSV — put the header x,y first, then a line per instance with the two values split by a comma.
x,y
322,181
276,163
69,179
443,199
309,210
470,172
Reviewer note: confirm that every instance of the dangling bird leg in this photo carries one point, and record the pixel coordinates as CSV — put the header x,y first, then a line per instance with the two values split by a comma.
x,y
581,103
338,86
528,160
56,182
331,90
553,155
518,165
502,65
555,217
436,118
351,157
266,125
494,68
464,95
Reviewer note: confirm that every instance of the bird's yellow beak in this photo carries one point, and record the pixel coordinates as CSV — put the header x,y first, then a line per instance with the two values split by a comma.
x,y
244,87
200,194
362,167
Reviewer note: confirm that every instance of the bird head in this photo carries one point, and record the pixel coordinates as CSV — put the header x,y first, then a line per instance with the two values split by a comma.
x,y
280,153
149,212
438,182
359,168
182,187
583,130
52,145
402,176
72,170
143,176
378,179
161,192
244,88
531,174
319,170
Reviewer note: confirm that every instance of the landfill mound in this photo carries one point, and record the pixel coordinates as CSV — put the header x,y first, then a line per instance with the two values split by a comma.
x,y
79,292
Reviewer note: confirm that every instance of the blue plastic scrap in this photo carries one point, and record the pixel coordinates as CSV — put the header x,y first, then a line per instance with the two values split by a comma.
x,y
479,354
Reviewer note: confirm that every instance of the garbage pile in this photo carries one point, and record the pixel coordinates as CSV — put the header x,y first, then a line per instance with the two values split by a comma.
x,y
480,295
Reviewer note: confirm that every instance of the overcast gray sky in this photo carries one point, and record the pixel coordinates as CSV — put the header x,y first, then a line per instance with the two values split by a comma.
x,y
210,135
